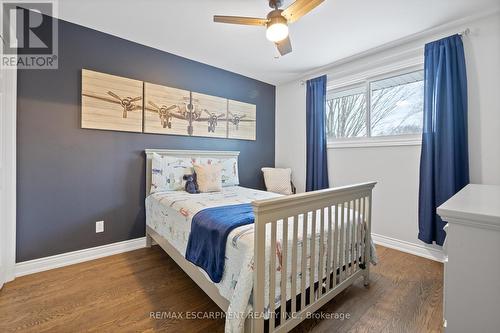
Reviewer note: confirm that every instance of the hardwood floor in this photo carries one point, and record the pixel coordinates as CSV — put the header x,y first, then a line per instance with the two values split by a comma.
x,y
117,294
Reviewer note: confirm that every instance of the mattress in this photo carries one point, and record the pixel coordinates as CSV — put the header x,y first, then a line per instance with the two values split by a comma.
x,y
170,215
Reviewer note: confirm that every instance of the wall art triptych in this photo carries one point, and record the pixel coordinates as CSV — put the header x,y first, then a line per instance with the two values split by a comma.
x,y
115,103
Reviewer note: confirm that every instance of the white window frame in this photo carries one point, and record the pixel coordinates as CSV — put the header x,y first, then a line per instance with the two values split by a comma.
x,y
368,140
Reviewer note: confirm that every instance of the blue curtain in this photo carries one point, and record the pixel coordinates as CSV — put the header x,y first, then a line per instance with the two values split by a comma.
x,y
444,163
316,166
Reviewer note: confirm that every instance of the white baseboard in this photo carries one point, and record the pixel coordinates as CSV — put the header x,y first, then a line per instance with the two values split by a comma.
x,y
412,248
70,258
75,257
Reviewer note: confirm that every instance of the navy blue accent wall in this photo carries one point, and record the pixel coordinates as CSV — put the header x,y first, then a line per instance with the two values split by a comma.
x,y
69,177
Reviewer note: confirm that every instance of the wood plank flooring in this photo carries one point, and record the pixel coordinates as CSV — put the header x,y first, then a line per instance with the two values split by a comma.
x,y
118,293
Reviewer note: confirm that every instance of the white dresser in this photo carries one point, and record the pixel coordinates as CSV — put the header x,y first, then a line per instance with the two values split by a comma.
x,y
472,271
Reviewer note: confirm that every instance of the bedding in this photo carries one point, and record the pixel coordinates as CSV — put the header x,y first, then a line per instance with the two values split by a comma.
x,y
208,176
210,228
170,214
229,169
167,172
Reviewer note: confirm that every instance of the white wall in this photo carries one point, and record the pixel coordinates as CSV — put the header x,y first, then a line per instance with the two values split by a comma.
x,y
396,168
483,72
291,131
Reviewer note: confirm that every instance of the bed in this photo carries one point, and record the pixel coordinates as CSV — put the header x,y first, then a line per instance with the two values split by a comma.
x,y
269,287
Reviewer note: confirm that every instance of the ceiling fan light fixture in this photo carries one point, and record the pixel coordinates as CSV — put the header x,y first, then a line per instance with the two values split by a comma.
x,y
277,29
276,21
277,32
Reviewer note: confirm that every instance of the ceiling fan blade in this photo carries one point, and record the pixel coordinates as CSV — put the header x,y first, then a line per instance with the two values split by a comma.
x,y
299,8
284,46
240,20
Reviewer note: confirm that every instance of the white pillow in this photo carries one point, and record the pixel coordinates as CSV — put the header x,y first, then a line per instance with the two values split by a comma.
x,y
167,172
209,177
278,180
229,169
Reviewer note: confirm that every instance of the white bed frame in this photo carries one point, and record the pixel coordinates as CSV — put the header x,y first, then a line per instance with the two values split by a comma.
x,y
350,263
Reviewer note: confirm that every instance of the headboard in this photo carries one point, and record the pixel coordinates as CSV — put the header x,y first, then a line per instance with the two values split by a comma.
x,y
182,153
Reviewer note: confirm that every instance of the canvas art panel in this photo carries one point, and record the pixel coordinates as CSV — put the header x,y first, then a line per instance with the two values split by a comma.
x,y
211,113
241,120
111,102
165,109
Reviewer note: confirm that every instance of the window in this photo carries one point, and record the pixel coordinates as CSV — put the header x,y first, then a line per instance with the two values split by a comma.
x,y
395,108
346,113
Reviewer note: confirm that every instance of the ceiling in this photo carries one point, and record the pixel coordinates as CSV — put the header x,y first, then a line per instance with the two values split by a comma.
x,y
334,30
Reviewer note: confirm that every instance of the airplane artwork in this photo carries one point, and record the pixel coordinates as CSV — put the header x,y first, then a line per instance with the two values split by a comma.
x,y
111,102
108,102
185,112
127,103
164,112
212,120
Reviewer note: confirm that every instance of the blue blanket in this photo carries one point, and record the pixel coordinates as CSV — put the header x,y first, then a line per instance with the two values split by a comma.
x,y
209,231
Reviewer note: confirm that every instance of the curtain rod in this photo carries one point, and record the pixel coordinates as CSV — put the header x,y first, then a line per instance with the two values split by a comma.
x,y
464,32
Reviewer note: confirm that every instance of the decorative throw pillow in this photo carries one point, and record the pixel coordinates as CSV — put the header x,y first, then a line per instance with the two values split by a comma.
x,y
278,180
209,177
158,180
229,169
167,172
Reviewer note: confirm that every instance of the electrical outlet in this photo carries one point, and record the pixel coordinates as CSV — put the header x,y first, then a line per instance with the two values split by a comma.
x,y
99,226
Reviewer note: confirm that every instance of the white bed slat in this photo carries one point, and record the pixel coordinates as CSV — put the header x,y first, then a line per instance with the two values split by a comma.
x,y
329,248
349,240
312,265
356,236
272,275
342,242
294,263
284,269
336,244
305,222
353,249
321,252
363,230
367,241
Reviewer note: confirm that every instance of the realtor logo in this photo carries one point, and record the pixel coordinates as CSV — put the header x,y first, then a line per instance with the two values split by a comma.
x,y
29,34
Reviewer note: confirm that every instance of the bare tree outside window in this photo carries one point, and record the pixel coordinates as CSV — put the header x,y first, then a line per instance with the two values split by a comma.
x,y
396,108
346,114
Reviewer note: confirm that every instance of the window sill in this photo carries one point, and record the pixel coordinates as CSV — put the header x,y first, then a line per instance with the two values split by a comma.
x,y
411,140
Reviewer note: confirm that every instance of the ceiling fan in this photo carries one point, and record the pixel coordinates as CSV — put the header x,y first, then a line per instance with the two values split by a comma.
x,y
276,21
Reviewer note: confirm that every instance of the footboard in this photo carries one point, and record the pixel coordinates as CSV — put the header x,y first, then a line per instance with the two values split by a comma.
x,y
290,227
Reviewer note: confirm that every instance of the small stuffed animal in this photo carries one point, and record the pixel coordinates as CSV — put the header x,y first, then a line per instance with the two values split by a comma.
x,y
191,184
